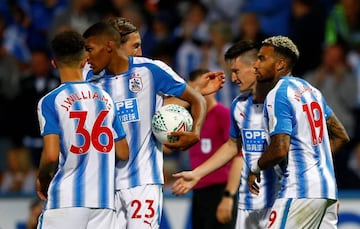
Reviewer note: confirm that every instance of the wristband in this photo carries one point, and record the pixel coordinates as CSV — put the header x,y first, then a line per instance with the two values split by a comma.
x,y
255,168
228,194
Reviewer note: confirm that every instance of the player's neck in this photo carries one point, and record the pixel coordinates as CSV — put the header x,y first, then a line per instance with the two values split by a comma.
x,y
261,90
70,75
118,65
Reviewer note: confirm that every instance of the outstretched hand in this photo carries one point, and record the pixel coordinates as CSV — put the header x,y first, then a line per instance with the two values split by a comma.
x,y
185,182
211,82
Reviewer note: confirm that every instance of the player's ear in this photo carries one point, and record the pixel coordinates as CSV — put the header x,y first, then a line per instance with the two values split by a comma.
x,y
109,46
53,63
280,65
83,62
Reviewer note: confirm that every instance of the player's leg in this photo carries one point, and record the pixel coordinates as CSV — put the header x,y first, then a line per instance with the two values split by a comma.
x,y
297,213
330,219
256,219
143,206
120,210
102,219
69,218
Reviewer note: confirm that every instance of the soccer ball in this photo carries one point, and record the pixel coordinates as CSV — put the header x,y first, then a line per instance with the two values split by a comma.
x,y
170,118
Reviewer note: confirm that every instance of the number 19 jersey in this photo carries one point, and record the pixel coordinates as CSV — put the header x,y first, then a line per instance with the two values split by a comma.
x,y
83,116
296,108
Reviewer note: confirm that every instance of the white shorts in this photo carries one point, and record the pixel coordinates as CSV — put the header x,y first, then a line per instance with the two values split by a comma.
x,y
139,207
255,219
298,213
330,219
77,218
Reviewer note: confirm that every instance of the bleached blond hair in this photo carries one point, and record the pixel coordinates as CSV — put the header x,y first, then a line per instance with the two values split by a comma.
x,y
284,46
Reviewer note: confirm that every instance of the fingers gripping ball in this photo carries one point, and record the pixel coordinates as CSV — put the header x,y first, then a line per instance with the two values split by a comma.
x,y
170,118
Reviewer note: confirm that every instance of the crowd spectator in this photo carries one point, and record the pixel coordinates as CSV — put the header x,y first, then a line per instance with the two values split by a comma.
x,y
20,175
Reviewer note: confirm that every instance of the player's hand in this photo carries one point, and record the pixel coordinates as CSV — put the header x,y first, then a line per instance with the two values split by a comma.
x,y
253,186
182,140
211,82
185,182
41,190
224,210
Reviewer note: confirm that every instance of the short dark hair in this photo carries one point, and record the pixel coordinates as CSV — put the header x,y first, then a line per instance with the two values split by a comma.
x,y
196,73
68,48
241,48
123,26
102,29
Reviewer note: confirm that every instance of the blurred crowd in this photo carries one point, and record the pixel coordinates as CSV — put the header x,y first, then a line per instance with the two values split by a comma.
x,y
186,35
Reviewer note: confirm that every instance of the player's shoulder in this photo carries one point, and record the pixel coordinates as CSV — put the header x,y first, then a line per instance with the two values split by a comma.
x,y
145,61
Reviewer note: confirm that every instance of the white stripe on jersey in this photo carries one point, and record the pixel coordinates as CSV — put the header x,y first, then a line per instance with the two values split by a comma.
x,y
247,123
296,108
137,94
85,177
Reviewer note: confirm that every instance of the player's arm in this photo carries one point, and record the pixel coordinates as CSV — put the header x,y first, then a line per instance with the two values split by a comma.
x,y
48,164
188,179
198,112
122,149
224,211
274,154
337,133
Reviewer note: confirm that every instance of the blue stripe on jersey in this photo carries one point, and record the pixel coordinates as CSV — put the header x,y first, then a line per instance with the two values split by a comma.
x,y
80,172
269,188
298,152
156,173
103,157
285,214
89,74
246,123
134,144
79,194
103,189
41,219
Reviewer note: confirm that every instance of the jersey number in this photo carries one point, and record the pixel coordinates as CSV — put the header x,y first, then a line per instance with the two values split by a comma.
x,y
315,117
137,205
96,131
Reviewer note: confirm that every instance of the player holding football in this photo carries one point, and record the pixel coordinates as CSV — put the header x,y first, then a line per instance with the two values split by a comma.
x,y
137,84
79,126
297,119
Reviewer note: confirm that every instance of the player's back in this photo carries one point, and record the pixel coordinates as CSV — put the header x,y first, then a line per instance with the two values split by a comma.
x,y
296,108
82,115
247,123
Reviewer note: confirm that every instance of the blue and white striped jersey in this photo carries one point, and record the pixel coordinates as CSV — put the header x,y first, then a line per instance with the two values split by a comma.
x,y
137,94
84,117
247,123
296,108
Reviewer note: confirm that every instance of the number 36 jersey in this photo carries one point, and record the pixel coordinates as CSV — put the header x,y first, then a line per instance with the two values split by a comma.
x,y
83,115
296,108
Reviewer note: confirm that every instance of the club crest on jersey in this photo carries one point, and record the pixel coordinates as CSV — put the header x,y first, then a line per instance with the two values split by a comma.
x,y
135,84
205,145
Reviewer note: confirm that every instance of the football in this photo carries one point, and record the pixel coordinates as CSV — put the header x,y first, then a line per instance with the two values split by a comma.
x,y
170,118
